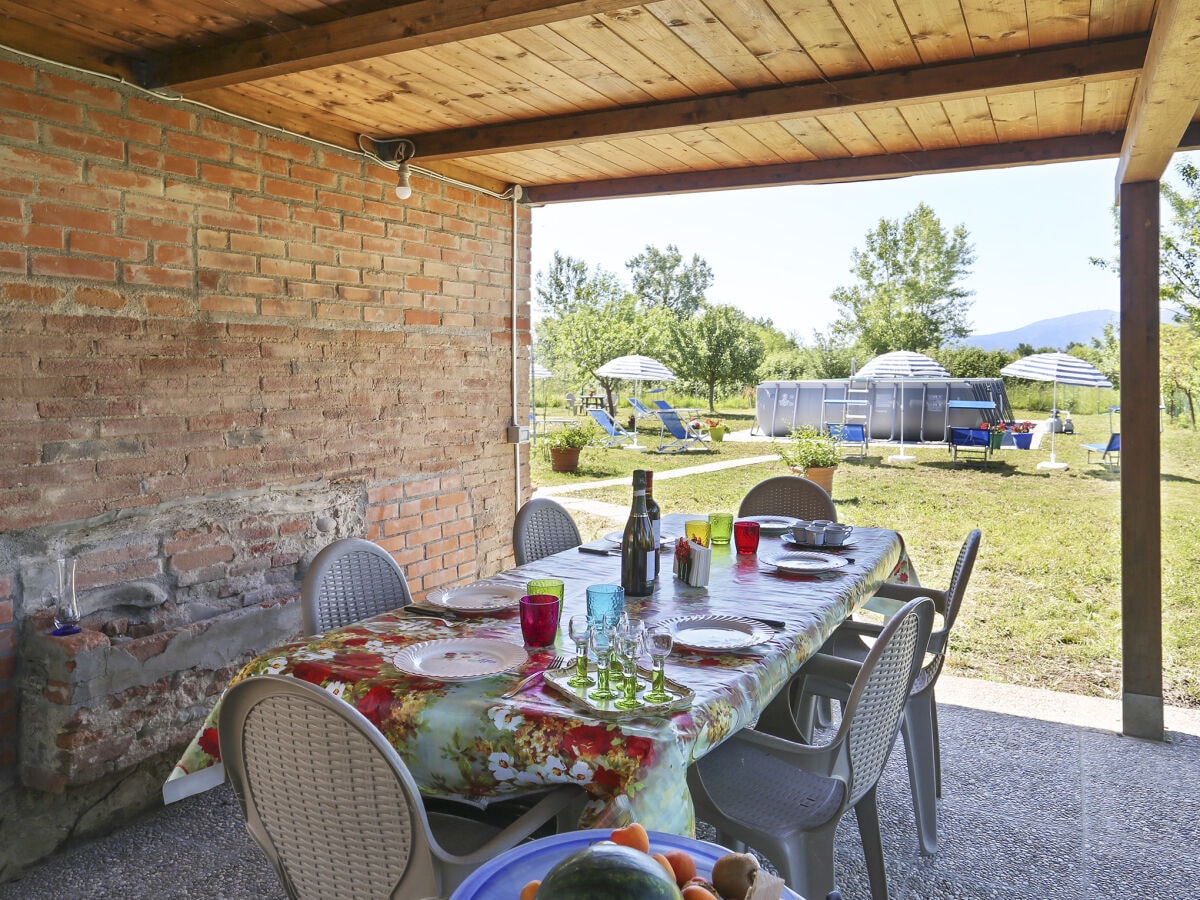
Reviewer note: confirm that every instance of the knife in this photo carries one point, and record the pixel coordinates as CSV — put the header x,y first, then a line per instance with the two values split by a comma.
x,y
770,623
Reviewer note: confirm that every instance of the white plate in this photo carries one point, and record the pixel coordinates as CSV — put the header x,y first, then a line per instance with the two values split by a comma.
x,y
460,659
616,536
806,562
477,599
803,545
718,633
770,524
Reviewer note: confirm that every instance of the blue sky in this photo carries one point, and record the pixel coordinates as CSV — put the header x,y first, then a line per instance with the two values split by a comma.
x,y
780,252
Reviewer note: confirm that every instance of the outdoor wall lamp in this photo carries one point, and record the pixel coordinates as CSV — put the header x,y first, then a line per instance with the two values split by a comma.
x,y
394,153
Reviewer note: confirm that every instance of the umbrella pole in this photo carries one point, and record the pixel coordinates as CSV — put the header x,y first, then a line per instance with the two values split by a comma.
x,y
901,456
1052,463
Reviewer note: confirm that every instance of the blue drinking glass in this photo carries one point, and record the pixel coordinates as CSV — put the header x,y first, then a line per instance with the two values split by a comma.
x,y
605,600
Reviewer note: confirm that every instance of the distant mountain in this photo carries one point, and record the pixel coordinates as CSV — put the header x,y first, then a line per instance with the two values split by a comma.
x,y
1057,332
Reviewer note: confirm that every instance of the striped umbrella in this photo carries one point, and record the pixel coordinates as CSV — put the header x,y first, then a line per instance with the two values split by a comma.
x,y
540,371
1060,368
900,364
636,369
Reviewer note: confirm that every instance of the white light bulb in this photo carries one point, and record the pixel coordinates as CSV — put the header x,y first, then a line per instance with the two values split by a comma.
x,y
404,187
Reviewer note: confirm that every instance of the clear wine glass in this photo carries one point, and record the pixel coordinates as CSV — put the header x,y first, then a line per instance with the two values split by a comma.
x,y
66,604
659,641
580,630
601,641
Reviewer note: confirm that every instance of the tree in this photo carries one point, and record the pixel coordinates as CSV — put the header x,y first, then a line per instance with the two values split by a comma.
x,y
1179,245
660,278
908,295
1179,367
718,348
568,284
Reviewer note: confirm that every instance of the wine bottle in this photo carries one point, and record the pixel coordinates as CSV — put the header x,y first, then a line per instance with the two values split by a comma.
x,y
637,544
655,513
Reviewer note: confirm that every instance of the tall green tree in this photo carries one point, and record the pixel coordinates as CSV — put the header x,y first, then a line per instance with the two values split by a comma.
x,y
568,284
662,278
909,293
1179,367
720,347
1179,244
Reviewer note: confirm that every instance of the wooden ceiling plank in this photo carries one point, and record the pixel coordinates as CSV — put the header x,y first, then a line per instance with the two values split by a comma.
x,y
938,29
759,30
890,130
530,68
685,153
745,144
1059,110
613,156
67,43
821,34
472,68
654,40
977,78
1111,18
706,36
415,25
1106,105
606,46
852,134
972,120
880,33
996,27
931,125
546,44
815,138
1015,116
1058,22
781,142
837,171
459,83
1165,100
646,152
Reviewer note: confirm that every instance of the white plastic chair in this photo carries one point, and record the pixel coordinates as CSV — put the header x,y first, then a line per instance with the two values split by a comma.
x,y
785,798
333,806
788,495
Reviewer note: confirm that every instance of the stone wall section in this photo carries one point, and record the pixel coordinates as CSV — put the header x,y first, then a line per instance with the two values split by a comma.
x,y
221,346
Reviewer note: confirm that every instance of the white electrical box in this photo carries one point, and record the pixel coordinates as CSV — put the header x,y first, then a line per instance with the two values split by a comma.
x,y
518,434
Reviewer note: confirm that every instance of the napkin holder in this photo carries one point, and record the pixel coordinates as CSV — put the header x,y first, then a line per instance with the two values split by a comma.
x,y
693,562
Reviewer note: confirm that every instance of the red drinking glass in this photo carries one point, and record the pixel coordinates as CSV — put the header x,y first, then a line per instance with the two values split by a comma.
x,y
539,619
745,536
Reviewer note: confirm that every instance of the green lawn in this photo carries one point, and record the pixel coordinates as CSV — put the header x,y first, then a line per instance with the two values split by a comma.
x,y
1044,604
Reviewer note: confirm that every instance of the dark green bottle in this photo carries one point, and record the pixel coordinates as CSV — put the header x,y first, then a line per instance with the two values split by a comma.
x,y
637,544
652,509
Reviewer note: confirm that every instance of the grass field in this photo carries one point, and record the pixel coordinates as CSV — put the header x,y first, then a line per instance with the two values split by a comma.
x,y
1044,604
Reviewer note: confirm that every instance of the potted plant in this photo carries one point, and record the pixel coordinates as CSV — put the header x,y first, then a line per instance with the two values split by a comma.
x,y
811,454
565,444
716,429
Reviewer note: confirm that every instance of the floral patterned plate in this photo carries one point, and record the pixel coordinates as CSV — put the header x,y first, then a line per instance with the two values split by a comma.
x,y
460,659
718,634
480,599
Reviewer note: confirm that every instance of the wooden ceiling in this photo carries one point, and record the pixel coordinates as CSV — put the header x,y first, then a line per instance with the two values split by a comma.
x,y
594,98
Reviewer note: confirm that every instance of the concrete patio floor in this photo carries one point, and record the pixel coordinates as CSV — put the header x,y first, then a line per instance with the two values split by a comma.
x,y
1041,798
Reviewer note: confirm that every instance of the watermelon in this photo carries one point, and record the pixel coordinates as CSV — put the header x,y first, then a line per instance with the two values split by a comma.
x,y
607,871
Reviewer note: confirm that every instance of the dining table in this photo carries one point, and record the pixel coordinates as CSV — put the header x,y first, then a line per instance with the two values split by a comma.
x,y
463,740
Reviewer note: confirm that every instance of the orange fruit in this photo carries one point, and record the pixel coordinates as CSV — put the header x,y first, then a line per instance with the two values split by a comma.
x,y
632,835
683,865
696,892
528,892
665,863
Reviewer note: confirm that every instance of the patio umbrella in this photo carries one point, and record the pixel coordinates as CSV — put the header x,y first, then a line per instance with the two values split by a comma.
x,y
540,371
636,369
899,365
1059,368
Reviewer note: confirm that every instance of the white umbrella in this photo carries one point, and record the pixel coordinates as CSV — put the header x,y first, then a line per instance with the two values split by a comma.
x,y
1058,368
902,364
636,369
540,371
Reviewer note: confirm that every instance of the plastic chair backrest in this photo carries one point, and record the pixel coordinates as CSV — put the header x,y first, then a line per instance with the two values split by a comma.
x,y
674,424
663,404
350,580
1114,443
959,578
788,495
639,407
871,718
326,797
543,528
606,422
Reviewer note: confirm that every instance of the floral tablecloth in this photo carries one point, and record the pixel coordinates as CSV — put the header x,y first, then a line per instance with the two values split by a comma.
x,y
462,741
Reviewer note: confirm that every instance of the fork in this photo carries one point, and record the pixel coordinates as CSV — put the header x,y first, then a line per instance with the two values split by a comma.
x,y
557,663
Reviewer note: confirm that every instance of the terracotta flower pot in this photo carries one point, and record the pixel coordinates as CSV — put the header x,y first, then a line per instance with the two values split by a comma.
x,y
820,476
564,459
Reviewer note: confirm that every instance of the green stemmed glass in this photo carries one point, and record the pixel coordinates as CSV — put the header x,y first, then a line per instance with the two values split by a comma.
x,y
629,641
580,630
601,641
659,641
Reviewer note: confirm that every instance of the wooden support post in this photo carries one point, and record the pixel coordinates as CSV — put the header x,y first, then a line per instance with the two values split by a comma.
x,y
1141,501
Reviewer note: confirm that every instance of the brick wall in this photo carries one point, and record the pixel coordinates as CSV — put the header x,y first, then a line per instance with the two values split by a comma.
x,y
194,308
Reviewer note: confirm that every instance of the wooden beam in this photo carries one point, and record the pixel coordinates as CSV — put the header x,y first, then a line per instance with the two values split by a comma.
x,y
1032,70
1141,500
409,26
1166,97
865,168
